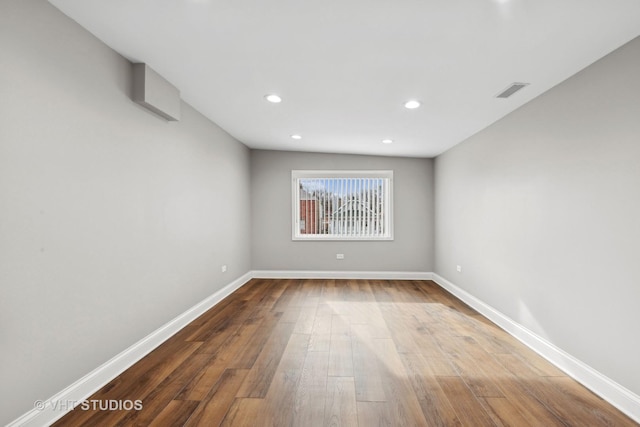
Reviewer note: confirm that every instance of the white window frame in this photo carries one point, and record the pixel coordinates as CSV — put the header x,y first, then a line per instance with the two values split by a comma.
x,y
297,175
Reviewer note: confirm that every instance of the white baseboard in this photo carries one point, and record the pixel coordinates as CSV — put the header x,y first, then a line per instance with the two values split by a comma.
x,y
373,275
57,406
620,397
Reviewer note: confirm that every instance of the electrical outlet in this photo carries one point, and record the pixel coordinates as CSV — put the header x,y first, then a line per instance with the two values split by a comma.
x,y
339,256
224,268
459,268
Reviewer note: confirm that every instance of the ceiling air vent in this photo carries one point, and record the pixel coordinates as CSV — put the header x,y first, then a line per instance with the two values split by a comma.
x,y
513,88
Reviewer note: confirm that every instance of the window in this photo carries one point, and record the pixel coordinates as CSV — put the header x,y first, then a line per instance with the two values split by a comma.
x,y
342,205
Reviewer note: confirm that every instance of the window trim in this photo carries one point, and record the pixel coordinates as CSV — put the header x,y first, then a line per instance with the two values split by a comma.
x,y
297,174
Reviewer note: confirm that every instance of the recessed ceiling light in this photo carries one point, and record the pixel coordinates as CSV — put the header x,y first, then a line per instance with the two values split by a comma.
x,y
387,141
273,98
296,136
412,104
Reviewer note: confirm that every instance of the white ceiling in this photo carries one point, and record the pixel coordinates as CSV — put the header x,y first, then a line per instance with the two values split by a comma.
x,y
344,68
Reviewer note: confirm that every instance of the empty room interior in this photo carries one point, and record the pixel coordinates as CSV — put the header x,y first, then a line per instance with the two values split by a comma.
x,y
310,214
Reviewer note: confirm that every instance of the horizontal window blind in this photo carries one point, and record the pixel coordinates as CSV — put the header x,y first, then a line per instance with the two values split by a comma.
x,y
342,205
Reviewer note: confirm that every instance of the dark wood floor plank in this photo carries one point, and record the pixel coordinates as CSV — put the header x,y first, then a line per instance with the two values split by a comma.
x,y
507,413
224,328
601,413
176,413
282,392
289,296
537,363
239,351
247,351
213,409
248,412
464,402
516,392
476,367
259,377
520,398
168,390
214,342
223,320
231,299
490,337
440,366
200,385
271,293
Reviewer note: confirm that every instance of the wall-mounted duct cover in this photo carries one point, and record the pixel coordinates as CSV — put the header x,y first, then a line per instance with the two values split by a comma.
x,y
155,93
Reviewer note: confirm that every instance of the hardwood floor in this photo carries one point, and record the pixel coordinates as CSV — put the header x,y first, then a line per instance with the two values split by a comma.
x,y
345,353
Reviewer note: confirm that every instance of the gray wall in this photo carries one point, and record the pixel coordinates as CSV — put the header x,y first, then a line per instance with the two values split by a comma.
x,y
542,211
273,249
112,220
